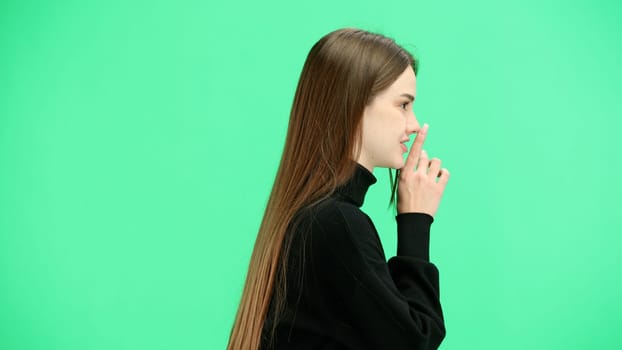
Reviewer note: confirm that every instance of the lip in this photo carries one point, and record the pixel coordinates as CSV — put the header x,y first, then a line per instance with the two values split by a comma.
x,y
403,144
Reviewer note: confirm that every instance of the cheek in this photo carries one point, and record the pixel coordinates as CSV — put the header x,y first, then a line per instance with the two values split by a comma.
x,y
383,127
390,126
399,123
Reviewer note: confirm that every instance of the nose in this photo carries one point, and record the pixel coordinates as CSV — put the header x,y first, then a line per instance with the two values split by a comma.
x,y
412,125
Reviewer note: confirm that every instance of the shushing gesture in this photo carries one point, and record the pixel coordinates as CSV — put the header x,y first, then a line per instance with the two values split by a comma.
x,y
418,190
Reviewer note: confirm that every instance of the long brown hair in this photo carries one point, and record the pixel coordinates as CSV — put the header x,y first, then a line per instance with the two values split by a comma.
x,y
343,72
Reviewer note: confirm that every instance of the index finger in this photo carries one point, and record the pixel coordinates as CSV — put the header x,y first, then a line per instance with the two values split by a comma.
x,y
415,150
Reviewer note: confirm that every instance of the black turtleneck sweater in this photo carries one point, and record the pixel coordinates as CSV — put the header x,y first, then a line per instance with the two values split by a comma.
x,y
341,291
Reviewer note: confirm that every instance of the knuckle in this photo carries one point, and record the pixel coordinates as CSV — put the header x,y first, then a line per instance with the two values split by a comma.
x,y
419,175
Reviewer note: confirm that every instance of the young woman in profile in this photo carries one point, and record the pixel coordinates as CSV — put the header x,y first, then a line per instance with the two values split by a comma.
x,y
318,277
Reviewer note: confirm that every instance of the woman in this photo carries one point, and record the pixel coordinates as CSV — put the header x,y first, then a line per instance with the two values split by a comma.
x,y
318,277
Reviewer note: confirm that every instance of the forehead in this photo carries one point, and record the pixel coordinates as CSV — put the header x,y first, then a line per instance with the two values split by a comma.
x,y
405,83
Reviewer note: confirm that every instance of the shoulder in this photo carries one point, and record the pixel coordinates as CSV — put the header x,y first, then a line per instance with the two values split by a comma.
x,y
342,234
336,226
334,214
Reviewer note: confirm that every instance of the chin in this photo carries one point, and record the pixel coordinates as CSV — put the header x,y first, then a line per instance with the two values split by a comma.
x,y
397,164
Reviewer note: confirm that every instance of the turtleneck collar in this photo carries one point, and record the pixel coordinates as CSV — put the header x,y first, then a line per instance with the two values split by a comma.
x,y
356,187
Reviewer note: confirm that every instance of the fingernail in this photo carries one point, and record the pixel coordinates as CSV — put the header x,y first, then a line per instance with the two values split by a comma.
x,y
425,127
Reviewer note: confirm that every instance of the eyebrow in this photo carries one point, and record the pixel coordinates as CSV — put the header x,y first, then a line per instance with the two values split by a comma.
x,y
409,96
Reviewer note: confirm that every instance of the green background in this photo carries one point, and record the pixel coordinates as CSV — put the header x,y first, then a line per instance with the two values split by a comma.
x,y
139,141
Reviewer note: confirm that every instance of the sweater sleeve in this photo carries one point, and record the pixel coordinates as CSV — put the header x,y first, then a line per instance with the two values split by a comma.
x,y
394,304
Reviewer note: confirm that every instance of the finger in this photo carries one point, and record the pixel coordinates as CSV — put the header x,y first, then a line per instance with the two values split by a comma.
x,y
435,166
444,177
422,166
417,146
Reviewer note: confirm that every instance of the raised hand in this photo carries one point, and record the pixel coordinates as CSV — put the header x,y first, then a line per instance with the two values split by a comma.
x,y
418,190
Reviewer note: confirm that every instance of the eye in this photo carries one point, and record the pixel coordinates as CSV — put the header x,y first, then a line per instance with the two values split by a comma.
x,y
403,105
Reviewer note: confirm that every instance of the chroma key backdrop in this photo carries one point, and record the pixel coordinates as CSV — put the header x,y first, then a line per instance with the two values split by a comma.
x,y
139,141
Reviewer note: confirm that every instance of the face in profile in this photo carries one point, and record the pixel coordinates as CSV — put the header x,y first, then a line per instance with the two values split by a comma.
x,y
388,121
